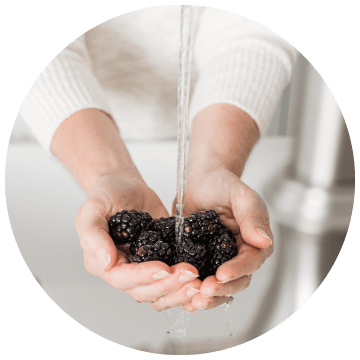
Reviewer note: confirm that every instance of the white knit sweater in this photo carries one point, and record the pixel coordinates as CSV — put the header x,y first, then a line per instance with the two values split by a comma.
x,y
128,67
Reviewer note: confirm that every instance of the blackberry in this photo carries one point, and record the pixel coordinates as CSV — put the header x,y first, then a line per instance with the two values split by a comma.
x,y
151,246
220,249
166,227
201,226
192,253
125,226
205,243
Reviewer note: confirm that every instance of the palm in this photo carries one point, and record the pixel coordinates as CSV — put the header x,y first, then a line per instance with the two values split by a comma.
x,y
115,193
214,191
240,209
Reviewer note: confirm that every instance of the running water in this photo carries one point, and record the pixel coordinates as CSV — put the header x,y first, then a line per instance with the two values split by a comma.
x,y
228,315
178,317
186,41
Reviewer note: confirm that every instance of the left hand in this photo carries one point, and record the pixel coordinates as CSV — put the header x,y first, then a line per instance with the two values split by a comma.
x,y
243,212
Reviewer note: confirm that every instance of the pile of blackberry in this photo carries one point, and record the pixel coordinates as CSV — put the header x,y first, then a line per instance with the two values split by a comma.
x,y
205,242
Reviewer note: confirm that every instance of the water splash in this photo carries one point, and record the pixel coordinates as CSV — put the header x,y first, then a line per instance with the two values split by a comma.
x,y
178,319
186,36
228,315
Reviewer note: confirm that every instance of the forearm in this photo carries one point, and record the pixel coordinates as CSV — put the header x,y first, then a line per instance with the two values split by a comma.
x,y
222,136
88,143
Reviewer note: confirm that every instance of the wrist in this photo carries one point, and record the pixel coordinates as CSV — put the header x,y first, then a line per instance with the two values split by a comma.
x,y
89,178
125,179
222,137
88,143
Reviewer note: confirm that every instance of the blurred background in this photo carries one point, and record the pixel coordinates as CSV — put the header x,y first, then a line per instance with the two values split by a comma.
x,y
304,169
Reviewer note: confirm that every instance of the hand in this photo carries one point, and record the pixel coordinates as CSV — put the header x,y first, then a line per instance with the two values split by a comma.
x,y
145,282
243,212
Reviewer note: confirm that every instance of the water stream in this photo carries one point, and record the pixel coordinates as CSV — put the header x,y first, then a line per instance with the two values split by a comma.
x,y
228,315
177,317
186,41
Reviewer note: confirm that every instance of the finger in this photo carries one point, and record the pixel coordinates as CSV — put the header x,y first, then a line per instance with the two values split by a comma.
x,y
206,303
91,265
246,262
211,287
189,308
179,297
181,274
94,235
128,276
252,216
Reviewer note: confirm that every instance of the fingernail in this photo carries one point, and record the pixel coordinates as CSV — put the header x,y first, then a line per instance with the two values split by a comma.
x,y
191,292
191,311
186,276
201,308
210,294
161,275
103,257
263,234
225,281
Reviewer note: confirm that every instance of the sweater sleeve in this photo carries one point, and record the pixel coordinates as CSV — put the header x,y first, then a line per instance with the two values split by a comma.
x,y
239,62
65,86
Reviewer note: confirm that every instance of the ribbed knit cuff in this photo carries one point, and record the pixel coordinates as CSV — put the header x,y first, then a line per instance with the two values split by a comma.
x,y
66,86
250,76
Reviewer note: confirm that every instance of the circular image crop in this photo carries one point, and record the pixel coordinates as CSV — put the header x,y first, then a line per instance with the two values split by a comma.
x,y
180,180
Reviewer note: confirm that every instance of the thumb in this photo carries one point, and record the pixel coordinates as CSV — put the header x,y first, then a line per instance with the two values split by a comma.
x,y
94,237
252,217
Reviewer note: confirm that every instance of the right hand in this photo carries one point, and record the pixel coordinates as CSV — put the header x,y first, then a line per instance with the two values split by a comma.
x,y
145,282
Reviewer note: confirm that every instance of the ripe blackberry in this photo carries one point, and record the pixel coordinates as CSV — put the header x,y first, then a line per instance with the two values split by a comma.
x,y
220,249
125,226
194,254
166,227
201,226
151,246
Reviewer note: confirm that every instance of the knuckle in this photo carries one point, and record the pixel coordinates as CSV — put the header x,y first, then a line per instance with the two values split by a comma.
x,y
160,304
84,242
157,307
247,281
115,283
258,207
89,264
79,216
271,250
258,264
140,299
216,287
258,218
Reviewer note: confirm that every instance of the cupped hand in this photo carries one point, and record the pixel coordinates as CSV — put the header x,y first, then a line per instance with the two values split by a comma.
x,y
243,212
152,281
